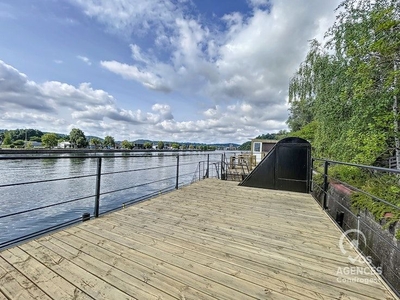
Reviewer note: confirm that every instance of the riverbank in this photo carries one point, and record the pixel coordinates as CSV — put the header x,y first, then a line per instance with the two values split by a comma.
x,y
92,151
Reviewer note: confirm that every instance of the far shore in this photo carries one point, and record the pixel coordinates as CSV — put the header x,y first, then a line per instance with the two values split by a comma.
x,y
63,151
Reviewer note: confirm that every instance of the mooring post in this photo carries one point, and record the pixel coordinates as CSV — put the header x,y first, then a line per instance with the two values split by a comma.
x,y
97,193
208,165
85,217
177,172
340,218
326,184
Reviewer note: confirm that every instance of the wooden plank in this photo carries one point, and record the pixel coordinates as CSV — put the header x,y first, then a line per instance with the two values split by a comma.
x,y
3,297
301,280
284,224
230,269
14,285
54,285
95,263
285,254
212,282
320,273
92,285
146,275
268,238
210,240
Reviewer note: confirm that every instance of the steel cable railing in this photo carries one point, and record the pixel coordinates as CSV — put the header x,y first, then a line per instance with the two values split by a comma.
x,y
105,200
380,249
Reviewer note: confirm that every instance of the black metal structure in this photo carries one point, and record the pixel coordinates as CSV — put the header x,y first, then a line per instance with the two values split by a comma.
x,y
286,167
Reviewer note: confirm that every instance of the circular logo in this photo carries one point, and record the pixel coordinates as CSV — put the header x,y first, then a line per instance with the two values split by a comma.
x,y
356,242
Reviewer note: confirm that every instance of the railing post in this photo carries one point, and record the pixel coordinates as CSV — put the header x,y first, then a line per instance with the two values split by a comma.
x,y
177,172
199,170
97,193
358,229
208,166
326,185
311,176
222,168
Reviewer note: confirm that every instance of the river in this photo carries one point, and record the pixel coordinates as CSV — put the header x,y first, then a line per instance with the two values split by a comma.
x,y
24,197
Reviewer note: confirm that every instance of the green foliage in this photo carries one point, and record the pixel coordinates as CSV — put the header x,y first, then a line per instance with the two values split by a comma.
x,y
175,146
127,145
20,134
77,138
7,138
267,136
389,191
347,88
160,145
35,139
342,98
29,145
245,146
95,142
19,143
397,235
148,145
49,140
307,132
109,141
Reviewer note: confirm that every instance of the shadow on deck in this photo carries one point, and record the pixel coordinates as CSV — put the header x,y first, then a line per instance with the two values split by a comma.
x,y
210,240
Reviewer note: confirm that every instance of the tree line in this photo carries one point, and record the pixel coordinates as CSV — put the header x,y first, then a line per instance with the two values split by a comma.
x,y
25,138
344,98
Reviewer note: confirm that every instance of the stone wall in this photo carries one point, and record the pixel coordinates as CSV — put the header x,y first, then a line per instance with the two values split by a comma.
x,y
381,245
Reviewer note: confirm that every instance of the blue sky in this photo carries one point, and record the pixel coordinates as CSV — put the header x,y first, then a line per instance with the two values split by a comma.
x,y
184,70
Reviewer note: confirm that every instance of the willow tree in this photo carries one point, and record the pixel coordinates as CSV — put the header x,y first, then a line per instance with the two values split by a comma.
x,y
366,36
349,87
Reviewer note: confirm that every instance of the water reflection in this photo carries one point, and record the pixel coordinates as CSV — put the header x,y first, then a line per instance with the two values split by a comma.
x,y
132,179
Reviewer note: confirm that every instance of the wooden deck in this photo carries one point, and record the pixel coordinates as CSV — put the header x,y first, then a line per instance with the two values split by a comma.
x,y
210,240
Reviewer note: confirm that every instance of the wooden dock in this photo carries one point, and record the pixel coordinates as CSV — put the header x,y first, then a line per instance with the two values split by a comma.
x,y
210,240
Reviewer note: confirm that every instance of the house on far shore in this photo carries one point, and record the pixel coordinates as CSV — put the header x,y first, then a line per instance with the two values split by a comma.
x,y
260,148
35,144
138,145
64,145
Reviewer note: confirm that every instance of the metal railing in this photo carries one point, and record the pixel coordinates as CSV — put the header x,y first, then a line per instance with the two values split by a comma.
x,y
375,241
234,168
47,200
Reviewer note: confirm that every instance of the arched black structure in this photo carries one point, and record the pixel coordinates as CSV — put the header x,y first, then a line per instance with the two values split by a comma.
x,y
286,167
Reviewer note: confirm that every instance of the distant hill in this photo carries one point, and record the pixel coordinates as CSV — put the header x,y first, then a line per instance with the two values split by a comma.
x,y
20,134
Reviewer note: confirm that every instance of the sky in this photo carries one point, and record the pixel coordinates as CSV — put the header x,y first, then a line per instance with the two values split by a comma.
x,y
174,70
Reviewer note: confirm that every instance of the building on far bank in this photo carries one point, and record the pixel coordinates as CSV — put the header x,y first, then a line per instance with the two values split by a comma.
x,y
64,145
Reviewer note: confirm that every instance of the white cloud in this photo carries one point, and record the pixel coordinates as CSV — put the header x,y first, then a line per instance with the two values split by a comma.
x,y
252,61
258,3
58,61
148,79
127,16
84,59
242,66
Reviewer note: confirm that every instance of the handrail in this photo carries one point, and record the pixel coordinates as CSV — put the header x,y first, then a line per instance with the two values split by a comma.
x,y
374,249
171,179
395,171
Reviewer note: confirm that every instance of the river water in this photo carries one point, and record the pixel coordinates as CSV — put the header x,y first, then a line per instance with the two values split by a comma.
x,y
17,198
